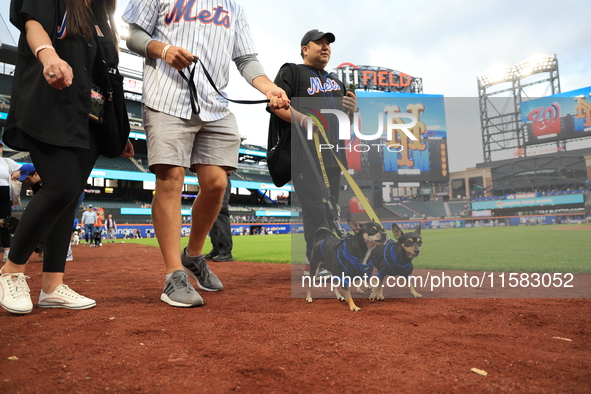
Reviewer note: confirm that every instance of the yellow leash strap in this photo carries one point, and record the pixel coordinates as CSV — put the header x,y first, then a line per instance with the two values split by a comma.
x,y
358,193
321,161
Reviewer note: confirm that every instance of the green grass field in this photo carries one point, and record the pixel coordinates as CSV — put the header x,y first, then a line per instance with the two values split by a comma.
x,y
509,249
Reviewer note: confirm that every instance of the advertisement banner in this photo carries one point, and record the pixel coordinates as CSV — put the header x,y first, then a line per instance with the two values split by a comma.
x,y
558,117
393,137
529,202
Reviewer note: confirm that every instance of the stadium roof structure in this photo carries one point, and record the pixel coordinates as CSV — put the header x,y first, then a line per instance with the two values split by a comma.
x,y
8,54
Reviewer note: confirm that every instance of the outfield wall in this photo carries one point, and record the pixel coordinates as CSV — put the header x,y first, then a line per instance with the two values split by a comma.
x,y
289,228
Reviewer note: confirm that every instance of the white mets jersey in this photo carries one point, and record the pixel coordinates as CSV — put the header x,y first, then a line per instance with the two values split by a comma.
x,y
214,30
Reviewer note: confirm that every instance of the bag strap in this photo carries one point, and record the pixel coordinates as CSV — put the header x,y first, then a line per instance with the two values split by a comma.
x,y
278,126
193,90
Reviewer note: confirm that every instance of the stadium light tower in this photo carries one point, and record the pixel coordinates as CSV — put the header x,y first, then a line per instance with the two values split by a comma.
x,y
500,125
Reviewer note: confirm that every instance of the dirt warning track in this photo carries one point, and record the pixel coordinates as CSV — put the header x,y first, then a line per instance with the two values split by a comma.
x,y
253,337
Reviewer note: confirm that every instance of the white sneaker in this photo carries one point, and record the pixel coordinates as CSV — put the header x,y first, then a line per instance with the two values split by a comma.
x,y
14,293
70,256
64,297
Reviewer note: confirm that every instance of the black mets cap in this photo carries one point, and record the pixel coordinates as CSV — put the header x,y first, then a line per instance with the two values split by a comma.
x,y
316,34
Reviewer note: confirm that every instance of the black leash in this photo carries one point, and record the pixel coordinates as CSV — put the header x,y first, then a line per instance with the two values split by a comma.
x,y
193,90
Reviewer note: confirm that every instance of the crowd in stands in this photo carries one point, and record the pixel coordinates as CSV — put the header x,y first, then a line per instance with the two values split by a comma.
x,y
539,193
258,219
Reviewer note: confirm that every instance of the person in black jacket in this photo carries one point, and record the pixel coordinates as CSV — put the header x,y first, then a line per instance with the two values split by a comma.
x,y
316,89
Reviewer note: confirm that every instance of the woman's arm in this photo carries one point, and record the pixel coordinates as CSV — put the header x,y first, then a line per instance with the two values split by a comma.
x,y
57,72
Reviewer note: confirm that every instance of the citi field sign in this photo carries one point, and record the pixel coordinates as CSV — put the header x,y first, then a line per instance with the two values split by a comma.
x,y
371,77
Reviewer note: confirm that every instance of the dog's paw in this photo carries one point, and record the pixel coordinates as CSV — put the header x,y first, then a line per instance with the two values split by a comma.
x,y
308,300
359,290
355,309
417,295
381,298
341,299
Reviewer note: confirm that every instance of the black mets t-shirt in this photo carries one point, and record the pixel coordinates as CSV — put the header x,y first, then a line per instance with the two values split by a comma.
x,y
326,91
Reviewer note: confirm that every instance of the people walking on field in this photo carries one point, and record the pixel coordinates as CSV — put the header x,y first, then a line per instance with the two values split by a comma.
x,y
111,227
49,118
88,221
190,126
9,170
98,227
299,81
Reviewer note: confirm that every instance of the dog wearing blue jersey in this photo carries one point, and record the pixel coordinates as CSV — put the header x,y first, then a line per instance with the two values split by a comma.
x,y
347,257
395,258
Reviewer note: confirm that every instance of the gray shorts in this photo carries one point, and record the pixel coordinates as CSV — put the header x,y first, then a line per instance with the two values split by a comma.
x,y
184,143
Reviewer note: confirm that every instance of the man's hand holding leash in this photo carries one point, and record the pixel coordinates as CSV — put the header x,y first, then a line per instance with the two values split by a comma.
x,y
278,98
177,57
180,58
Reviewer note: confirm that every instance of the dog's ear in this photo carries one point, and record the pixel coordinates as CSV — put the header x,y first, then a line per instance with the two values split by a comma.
x,y
418,230
396,231
354,225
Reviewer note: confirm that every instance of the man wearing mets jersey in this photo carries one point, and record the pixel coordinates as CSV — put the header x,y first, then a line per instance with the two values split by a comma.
x,y
201,136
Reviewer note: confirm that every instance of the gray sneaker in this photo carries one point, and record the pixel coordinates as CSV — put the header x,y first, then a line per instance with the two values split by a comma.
x,y
178,291
196,268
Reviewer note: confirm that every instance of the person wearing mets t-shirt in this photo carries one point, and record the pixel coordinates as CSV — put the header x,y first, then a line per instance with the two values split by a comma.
x,y
191,128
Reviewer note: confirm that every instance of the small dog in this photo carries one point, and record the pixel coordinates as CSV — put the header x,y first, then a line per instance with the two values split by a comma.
x,y
76,238
346,257
98,238
395,258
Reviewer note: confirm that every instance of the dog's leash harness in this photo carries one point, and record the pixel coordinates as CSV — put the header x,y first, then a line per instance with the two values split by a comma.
x,y
343,256
193,90
358,193
389,250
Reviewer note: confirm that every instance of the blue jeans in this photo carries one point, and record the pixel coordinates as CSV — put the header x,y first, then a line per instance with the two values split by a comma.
x,y
88,232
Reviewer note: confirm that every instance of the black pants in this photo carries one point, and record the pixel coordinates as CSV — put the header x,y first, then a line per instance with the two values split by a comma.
x,y
311,198
221,231
5,211
50,213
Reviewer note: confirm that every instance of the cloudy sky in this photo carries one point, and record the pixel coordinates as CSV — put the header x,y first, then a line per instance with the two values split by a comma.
x,y
447,43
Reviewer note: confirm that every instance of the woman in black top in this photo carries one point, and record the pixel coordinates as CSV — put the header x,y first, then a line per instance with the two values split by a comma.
x,y
49,117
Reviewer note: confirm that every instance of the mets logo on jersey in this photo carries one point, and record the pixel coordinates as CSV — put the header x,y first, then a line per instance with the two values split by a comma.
x,y
182,10
61,29
316,86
